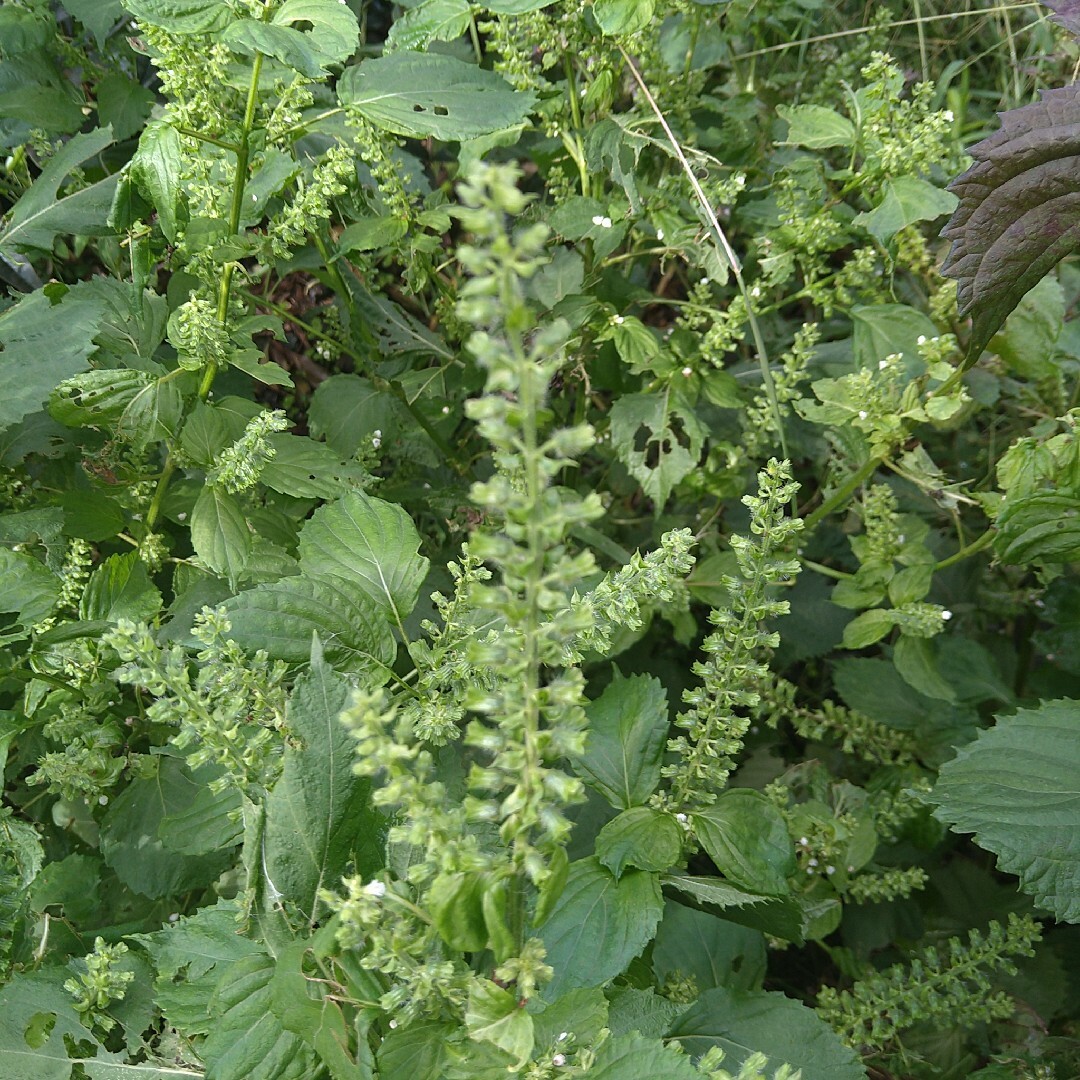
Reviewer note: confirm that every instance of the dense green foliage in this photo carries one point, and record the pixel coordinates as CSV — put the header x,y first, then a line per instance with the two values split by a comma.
x,y
514,562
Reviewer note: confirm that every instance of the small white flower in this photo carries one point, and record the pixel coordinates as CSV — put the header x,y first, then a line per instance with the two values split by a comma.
x,y
446,410
921,339
559,1059
946,614
803,842
598,219
948,114
174,917
605,223
563,1036
882,365
830,869
863,414
618,320
103,800
687,372
659,234
182,516
755,292
811,862
393,1023
375,889
681,819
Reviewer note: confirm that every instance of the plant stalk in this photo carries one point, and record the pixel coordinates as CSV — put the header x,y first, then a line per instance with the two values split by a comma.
x,y
206,380
843,492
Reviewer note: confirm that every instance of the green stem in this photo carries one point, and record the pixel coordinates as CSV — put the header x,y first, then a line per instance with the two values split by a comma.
x,y
695,30
843,492
332,272
828,571
530,629
474,37
578,153
308,122
223,143
973,548
206,380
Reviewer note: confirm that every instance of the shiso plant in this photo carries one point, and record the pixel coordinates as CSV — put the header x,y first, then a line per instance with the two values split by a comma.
x,y
527,551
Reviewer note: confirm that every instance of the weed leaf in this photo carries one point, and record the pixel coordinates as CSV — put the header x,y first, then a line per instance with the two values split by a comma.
x,y
45,343
371,543
623,16
331,28
628,730
906,201
246,1039
432,96
1044,527
129,833
281,617
436,20
156,169
36,1021
746,837
599,925
634,1057
39,216
738,1020
318,816
181,16
220,533
658,438
714,951
642,837
1017,788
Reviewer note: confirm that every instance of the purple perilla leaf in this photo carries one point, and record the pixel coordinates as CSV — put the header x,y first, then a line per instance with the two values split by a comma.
x,y
1066,13
1019,212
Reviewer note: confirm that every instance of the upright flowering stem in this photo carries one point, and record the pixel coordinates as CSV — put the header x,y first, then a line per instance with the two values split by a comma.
x,y
530,624
717,718
209,372
243,152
